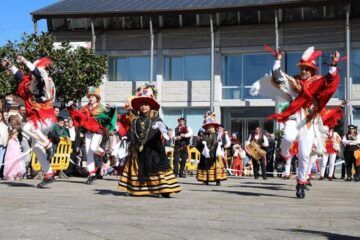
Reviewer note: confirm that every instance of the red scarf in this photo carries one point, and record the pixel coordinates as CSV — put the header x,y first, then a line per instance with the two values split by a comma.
x,y
320,89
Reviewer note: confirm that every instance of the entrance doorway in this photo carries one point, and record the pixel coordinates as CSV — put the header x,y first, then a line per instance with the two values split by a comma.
x,y
243,127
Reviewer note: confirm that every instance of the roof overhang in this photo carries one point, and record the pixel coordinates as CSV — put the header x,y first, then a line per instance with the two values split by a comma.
x,y
45,13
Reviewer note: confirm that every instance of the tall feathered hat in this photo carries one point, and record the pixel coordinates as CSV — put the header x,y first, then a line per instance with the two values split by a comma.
x,y
93,91
308,58
210,120
145,93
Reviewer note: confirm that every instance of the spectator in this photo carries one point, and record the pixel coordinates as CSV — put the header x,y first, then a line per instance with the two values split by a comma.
x,y
14,163
6,117
22,112
351,142
270,154
56,111
3,142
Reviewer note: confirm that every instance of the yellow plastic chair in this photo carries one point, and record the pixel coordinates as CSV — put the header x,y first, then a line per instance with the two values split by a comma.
x,y
60,160
170,155
193,159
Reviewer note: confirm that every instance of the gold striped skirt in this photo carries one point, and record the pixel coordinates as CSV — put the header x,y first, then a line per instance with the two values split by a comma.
x,y
157,183
216,172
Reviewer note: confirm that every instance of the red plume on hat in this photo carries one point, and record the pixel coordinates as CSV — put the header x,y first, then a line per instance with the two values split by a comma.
x,y
308,58
43,62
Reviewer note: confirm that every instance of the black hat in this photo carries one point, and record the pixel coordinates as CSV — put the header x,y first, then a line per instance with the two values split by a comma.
x,y
351,126
181,118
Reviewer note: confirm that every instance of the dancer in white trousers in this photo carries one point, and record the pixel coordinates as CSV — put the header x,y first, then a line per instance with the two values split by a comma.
x,y
37,90
301,118
97,122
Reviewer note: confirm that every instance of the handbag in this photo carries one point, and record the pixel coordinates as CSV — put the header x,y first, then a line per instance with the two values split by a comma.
x,y
357,157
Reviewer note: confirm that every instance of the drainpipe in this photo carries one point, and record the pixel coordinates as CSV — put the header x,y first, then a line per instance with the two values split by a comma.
x,y
277,103
35,26
348,83
212,83
93,39
151,52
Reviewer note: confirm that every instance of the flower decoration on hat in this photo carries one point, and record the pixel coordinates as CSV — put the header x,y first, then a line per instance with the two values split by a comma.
x,y
146,93
210,120
93,91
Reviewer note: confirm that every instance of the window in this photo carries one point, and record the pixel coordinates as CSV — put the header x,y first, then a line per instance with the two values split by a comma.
x,y
232,77
173,68
355,65
356,117
193,116
241,71
197,67
190,67
130,68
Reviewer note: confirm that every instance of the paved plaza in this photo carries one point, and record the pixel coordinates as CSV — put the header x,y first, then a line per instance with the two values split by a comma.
x,y
242,208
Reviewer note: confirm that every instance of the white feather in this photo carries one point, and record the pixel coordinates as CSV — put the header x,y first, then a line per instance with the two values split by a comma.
x,y
308,52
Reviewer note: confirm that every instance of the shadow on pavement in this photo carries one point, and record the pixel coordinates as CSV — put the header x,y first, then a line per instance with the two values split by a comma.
x,y
17,184
251,194
110,192
277,188
328,235
265,183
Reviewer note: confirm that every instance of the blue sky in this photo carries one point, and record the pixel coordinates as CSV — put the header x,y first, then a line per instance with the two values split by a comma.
x,y
15,18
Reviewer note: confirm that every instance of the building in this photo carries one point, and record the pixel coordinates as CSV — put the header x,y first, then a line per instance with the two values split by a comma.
x,y
206,54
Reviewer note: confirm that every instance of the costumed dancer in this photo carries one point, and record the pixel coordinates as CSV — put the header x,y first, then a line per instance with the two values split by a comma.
x,y
211,166
147,169
97,122
37,90
330,118
301,116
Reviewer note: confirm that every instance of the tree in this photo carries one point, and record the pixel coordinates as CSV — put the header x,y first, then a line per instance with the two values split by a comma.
x,y
73,70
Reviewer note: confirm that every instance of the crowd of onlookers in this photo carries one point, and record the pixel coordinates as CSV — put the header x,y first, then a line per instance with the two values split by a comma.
x,y
15,151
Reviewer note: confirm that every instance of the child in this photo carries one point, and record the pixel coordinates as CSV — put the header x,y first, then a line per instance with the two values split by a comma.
x,y
239,155
14,158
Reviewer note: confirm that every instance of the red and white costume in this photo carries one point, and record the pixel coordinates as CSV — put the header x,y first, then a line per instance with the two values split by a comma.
x,y
238,157
315,92
330,118
38,92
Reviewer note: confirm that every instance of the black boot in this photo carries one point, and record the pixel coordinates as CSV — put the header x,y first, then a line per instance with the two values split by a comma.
x,y
90,179
218,183
300,190
45,182
165,195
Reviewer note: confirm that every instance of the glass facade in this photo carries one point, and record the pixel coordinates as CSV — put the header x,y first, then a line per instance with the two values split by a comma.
x,y
241,71
193,116
188,68
130,68
355,65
